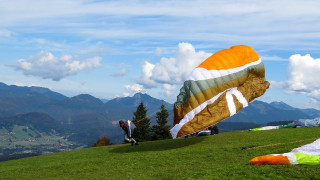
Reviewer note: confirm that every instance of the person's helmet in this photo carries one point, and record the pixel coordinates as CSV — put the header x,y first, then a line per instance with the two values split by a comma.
x,y
121,122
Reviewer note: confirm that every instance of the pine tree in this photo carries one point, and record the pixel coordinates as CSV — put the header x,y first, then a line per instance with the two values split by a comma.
x,y
142,131
161,131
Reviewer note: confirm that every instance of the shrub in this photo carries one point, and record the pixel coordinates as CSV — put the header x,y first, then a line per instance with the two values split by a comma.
x,y
104,141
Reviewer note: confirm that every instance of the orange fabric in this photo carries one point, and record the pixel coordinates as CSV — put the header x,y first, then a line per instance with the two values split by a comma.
x,y
270,159
236,56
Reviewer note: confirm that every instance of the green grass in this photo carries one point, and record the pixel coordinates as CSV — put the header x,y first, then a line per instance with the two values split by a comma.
x,y
212,157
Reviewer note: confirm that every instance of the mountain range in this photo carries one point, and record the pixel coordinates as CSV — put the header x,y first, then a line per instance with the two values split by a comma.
x,y
83,119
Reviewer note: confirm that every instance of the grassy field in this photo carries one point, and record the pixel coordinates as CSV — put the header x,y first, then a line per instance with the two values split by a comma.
x,y
222,156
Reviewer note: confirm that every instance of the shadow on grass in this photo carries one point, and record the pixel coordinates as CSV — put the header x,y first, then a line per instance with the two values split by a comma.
x,y
161,145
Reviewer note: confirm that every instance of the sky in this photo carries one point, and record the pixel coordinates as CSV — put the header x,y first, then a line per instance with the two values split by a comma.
x,y
117,48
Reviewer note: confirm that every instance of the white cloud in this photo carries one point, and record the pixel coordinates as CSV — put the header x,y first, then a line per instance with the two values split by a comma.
x,y
304,73
184,8
31,85
303,76
133,89
172,70
115,123
158,51
260,23
96,49
147,69
120,73
278,84
168,89
19,84
145,79
5,33
203,18
273,58
47,66
43,42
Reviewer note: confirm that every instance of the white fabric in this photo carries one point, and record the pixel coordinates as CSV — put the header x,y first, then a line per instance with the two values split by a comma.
x,y
269,127
307,122
128,139
291,157
232,108
129,128
240,97
230,102
204,74
189,116
312,148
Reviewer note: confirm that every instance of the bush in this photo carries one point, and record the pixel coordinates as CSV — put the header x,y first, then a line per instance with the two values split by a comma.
x,y
104,141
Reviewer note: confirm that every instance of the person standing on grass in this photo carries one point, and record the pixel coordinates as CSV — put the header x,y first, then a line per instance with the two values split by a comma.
x,y
128,129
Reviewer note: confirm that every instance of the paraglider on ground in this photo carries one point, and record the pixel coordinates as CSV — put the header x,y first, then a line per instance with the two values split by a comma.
x,y
308,154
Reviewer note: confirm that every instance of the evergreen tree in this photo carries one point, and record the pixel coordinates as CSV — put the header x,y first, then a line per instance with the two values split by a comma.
x,y
161,131
142,131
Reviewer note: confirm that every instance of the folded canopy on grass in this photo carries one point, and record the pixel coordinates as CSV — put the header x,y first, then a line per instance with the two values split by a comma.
x,y
308,154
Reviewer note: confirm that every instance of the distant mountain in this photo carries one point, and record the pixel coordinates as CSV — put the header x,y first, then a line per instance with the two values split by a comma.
x,y
311,112
6,90
262,113
105,100
84,118
68,108
282,105
123,108
18,100
40,121
83,102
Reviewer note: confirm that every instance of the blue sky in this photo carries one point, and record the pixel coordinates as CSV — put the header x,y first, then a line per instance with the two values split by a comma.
x,y
115,48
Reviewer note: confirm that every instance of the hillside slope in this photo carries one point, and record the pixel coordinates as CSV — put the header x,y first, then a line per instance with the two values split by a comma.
x,y
211,157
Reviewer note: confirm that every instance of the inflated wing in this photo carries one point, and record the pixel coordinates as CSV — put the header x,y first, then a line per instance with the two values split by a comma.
x,y
218,88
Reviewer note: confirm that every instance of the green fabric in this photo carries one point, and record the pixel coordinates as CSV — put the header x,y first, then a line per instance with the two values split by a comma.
x,y
255,129
280,127
286,126
190,87
307,159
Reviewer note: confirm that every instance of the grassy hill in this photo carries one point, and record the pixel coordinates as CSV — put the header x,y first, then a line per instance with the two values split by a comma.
x,y
213,157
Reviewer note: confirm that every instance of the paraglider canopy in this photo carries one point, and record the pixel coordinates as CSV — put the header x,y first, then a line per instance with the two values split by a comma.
x,y
218,88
